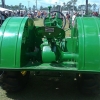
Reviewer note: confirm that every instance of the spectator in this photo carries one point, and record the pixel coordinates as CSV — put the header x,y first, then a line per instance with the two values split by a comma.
x,y
41,14
73,19
38,14
68,19
96,14
29,15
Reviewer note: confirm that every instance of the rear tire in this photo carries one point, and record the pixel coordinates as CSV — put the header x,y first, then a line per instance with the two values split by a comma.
x,y
88,83
14,81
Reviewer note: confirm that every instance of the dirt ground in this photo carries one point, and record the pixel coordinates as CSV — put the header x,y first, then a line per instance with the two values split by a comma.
x,y
47,87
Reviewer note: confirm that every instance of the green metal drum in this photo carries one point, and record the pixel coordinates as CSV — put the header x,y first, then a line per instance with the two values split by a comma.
x,y
13,35
88,35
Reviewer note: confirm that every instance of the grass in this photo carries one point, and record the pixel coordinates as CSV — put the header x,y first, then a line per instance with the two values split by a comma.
x,y
39,22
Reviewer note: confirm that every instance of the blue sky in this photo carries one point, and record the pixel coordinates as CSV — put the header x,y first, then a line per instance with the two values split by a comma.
x,y
46,2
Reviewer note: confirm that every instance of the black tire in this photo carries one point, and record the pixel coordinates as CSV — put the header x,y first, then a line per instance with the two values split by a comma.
x,y
88,83
1,76
14,81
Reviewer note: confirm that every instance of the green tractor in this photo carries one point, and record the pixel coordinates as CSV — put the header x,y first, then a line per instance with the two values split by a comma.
x,y
25,47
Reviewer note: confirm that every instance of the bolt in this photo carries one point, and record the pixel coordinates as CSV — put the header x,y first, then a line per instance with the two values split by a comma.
x,y
49,33
59,33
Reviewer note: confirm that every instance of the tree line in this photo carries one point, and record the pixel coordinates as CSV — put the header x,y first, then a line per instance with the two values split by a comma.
x,y
69,6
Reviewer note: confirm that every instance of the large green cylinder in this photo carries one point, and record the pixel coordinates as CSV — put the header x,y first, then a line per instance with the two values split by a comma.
x,y
88,29
13,35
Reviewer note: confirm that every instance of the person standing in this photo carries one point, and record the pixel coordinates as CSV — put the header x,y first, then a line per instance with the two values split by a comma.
x,y
68,19
73,19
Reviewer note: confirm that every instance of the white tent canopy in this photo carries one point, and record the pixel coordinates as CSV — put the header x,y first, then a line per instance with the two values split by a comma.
x,y
4,9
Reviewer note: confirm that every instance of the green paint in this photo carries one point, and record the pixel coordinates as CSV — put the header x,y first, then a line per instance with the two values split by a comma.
x,y
24,46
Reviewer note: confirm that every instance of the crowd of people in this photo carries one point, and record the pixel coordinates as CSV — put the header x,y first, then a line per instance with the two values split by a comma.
x,y
71,18
35,14
95,14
